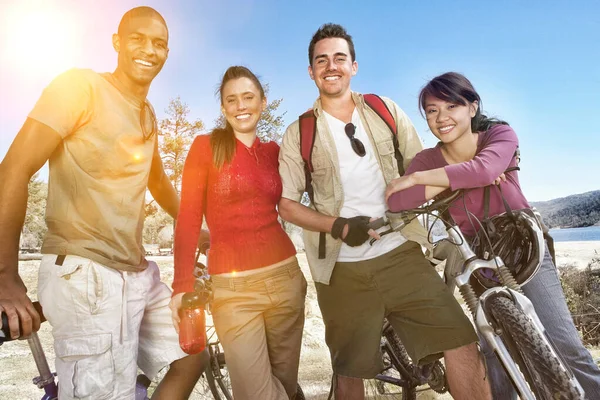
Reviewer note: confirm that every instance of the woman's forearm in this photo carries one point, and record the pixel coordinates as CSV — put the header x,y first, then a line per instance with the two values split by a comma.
x,y
433,177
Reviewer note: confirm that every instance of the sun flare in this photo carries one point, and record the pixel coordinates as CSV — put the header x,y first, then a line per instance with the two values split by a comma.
x,y
39,39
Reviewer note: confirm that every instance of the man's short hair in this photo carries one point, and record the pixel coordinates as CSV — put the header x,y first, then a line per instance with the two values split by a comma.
x,y
142,11
330,31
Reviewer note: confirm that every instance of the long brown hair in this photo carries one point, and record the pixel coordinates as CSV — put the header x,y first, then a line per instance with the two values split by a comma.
x,y
222,140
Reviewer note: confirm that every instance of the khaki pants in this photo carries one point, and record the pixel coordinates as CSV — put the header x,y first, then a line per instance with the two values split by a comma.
x,y
259,320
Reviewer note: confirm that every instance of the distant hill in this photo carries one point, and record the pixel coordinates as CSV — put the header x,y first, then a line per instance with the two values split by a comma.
x,y
576,211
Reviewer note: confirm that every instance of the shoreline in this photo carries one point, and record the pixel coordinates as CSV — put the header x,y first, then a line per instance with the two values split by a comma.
x,y
578,254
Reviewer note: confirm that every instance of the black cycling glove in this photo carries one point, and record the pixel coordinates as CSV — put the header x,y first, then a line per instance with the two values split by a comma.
x,y
358,228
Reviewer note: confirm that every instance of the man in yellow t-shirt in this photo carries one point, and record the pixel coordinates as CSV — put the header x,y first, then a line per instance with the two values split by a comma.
x,y
107,307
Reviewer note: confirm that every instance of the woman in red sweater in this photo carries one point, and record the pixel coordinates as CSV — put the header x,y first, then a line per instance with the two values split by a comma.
x,y
232,180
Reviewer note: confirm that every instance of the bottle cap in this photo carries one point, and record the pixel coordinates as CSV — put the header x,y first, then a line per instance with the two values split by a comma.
x,y
191,300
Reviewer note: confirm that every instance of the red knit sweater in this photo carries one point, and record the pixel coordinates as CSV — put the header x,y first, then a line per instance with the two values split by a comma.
x,y
239,204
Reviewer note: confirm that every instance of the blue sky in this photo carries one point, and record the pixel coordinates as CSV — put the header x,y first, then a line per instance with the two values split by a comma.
x,y
535,63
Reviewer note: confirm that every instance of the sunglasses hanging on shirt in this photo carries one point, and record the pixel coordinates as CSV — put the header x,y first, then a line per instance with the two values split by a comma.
x,y
357,145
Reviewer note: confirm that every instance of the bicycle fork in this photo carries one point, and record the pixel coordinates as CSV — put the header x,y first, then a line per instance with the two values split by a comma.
x,y
46,379
483,324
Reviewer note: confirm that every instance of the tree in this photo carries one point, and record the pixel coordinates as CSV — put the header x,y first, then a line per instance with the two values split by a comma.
x,y
270,124
154,224
34,227
176,136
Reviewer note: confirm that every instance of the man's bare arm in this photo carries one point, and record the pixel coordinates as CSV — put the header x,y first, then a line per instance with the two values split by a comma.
x,y
305,217
165,195
161,188
32,147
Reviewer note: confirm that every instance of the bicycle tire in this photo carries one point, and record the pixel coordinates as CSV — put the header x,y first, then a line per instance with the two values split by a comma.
x,y
401,356
541,369
396,360
217,376
299,393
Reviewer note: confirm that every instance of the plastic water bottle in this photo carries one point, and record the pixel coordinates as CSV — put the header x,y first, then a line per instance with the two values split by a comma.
x,y
141,387
192,328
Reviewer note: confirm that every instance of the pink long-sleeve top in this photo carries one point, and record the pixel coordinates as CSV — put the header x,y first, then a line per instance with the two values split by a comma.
x,y
495,154
239,203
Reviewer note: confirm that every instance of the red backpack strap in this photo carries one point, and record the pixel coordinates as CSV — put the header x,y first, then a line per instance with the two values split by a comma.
x,y
308,128
377,104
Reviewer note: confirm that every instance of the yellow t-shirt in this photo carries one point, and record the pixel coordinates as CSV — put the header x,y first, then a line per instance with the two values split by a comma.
x,y
99,173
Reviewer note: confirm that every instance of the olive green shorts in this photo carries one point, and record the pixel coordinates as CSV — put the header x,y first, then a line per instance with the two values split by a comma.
x,y
404,288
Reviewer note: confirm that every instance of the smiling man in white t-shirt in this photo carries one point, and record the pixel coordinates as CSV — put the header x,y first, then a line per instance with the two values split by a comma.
x,y
359,284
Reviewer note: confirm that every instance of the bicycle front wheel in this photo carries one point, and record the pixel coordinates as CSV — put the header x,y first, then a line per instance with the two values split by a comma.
x,y
542,370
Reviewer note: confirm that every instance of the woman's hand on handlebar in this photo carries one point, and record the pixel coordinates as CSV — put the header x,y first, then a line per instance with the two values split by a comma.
x,y
175,306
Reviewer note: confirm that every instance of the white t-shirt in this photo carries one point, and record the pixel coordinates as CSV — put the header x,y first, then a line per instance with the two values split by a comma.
x,y
364,189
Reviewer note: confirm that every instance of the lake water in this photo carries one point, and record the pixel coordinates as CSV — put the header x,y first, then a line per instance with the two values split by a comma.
x,y
576,234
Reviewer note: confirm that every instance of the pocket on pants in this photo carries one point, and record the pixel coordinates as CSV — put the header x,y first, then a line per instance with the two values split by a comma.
x,y
85,366
83,280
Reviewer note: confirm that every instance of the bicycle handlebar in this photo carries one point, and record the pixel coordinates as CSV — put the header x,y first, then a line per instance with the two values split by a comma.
x,y
5,331
408,215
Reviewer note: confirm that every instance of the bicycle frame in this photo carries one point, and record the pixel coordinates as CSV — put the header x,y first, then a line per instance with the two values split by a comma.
x,y
46,379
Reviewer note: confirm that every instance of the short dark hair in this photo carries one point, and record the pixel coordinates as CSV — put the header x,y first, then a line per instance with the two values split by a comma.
x,y
330,31
455,88
142,11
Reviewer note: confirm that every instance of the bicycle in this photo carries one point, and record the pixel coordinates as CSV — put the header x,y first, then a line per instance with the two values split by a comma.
x,y
502,315
214,381
400,377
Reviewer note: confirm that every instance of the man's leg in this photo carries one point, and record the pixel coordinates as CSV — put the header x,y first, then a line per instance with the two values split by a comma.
x,y
95,349
465,373
353,316
429,321
159,342
181,378
348,388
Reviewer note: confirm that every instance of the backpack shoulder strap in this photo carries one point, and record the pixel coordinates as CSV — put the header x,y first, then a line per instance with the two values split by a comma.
x,y
377,104
308,129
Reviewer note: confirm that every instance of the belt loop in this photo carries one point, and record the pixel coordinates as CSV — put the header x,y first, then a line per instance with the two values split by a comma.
x,y
231,284
60,259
